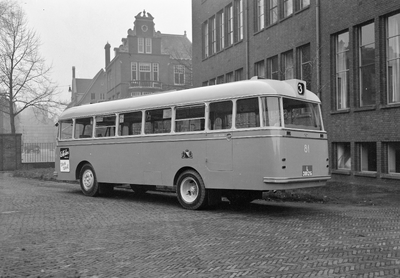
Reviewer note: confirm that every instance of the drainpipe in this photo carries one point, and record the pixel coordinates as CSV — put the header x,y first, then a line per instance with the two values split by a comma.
x,y
247,29
318,46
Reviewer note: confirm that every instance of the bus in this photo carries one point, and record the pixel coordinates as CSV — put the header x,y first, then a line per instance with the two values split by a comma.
x,y
234,141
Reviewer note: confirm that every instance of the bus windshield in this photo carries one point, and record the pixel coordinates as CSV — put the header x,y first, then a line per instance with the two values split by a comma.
x,y
301,114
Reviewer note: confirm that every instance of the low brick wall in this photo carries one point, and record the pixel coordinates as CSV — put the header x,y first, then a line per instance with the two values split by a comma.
x,y
10,152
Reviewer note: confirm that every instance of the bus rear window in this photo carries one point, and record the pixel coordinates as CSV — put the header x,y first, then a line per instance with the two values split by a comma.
x,y
83,128
66,129
302,115
190,118
130,123
105,126
158,121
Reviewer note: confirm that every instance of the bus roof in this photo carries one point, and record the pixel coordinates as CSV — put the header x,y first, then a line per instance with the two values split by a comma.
x,y
246,88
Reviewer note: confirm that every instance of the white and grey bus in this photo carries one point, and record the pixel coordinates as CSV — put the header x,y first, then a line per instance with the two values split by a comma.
x,y
233,140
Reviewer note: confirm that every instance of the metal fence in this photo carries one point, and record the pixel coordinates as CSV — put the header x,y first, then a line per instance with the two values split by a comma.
x,y
38,152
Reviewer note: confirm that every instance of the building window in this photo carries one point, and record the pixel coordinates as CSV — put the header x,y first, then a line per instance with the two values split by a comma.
x,y
212,82
259,69
393,157
221,30
287,65
287,8
155,71
367,65
148,45
220,79
213,38
272,68
229,31
238,20
133,71
272,11
229,77
140,45
204,84
205,40
342,71
260,15
179,74
92,96
343,156
304,64
302,4
144,71
367,157
393,58
239,74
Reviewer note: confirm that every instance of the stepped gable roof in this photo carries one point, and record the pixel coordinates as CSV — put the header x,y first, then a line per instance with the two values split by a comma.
x,y
177,46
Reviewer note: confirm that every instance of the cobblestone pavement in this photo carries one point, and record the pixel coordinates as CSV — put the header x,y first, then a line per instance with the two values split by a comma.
x,y
50,229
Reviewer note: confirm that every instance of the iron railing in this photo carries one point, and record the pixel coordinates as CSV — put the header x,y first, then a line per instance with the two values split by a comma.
x,y
38,152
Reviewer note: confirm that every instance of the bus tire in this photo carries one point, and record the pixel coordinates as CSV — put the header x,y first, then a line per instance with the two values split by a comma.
x,y
88,181
191,191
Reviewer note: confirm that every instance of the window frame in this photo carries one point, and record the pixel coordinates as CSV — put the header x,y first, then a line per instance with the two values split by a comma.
x,y
392,97
259,14
345,104
362,67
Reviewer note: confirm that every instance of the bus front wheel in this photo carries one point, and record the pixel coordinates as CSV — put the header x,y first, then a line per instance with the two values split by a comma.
x,y
191,191
87,178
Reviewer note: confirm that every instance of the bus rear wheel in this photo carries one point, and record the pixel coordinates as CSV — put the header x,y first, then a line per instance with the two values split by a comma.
x,y
191,191
88,181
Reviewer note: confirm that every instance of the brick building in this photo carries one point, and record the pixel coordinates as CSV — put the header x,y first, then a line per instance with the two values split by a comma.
x,y
146,62
347,51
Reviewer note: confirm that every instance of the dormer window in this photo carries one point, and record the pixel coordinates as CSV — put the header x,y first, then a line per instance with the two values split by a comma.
x,y
145,45
141,45
148,45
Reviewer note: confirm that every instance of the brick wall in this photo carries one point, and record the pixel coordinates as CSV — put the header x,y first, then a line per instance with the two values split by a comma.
x,y
10,152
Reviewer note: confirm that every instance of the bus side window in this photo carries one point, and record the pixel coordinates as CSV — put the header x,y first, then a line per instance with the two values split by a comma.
x,y
271,111
65,128
105,126
130,123
83,128
190,118
247,114
220,115
158,121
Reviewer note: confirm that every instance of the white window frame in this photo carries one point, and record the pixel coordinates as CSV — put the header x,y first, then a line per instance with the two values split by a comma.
x,y
134,71
148,45
179,71
140,45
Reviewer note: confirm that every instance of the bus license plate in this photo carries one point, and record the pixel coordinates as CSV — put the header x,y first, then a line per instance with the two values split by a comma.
x,y
307,170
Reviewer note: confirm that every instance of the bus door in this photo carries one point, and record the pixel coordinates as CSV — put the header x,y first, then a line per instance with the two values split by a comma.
x,y
219,146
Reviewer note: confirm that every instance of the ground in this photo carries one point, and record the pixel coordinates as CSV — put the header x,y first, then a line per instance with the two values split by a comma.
x,y
334,192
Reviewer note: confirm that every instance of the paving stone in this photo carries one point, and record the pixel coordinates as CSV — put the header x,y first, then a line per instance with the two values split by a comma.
x,y
50,229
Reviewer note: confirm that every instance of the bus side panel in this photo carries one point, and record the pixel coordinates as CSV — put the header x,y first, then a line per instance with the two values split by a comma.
x,y
254,158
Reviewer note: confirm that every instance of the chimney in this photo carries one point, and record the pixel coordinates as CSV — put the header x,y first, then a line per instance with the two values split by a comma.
x,y
107,48
73,72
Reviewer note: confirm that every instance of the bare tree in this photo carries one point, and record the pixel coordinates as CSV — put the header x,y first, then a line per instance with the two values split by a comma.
x,y
24,77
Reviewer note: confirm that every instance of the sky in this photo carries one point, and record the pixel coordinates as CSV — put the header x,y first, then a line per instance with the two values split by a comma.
x,y
74,32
